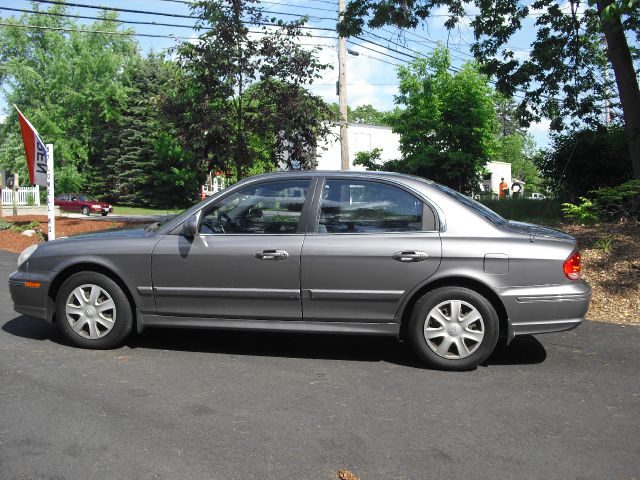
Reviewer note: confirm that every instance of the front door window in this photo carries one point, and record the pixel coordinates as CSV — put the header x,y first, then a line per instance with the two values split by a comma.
x,y
266,208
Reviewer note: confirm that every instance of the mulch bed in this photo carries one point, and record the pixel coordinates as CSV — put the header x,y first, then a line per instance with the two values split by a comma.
x,y
613,272
610,259
16,242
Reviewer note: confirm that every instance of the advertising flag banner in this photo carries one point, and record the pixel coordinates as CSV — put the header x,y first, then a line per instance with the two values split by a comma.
x,y
35,150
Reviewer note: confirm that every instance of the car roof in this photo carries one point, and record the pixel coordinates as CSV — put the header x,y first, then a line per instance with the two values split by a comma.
x,y
341,173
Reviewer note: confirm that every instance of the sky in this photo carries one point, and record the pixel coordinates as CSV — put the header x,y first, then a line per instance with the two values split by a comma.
x,y
371,75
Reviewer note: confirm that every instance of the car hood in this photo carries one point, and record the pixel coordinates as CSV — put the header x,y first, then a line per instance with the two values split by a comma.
x,y
113,233
537,231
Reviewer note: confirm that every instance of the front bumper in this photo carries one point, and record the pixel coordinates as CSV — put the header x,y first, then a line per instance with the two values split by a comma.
x,y
31,301
546,308
101,209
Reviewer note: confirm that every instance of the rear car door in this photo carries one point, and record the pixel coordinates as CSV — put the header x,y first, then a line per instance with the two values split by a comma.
x,y
245,261
371,243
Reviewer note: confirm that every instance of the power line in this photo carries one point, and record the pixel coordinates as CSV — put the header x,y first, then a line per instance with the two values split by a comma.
x,y
85,17
413,57
163,14
379,52
325,1
133,34
296,6
139,22
113,9
103,32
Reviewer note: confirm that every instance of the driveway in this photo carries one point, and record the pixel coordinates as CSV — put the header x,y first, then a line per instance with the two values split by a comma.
x,y
208,405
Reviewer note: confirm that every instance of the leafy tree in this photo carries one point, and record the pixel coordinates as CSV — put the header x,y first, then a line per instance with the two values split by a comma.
x,y
223,120
586,159
562,76
369,115
366,114
448,123
68,85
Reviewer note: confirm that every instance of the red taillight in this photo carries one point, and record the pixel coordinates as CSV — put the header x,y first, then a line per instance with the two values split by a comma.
x,y
571,266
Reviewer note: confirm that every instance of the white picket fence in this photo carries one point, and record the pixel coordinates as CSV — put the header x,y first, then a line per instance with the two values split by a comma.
x,y
213,185
23,195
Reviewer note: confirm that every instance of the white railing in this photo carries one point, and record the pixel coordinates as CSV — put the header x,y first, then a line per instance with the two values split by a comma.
x,y
214,185
24,195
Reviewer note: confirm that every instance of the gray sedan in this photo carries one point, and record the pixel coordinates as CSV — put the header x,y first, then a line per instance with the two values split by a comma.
x,y
317,252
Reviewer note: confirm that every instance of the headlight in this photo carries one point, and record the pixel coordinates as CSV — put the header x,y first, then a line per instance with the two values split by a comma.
x,y
26,253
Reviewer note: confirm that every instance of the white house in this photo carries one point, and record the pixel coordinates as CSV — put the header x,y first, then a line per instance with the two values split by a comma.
x,y
497,171
362,138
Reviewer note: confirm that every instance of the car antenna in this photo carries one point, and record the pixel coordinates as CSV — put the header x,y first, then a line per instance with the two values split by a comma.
x,y
546,209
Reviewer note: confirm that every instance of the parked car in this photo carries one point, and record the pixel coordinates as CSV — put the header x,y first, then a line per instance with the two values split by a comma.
x,y
318,252
538,196
74,202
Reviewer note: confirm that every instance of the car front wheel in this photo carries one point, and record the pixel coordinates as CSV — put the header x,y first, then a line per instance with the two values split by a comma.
x,y
93,312
453,328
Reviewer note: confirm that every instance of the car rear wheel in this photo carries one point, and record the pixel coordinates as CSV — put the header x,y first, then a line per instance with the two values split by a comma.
x,y
453,328
85,210
93,312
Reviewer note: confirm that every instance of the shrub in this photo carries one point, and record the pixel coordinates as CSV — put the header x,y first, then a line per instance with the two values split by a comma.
x,y
525,209
621,200
586,211
31,199
4,225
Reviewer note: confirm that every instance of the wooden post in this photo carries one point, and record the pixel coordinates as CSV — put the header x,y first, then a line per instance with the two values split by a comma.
x,y
15,194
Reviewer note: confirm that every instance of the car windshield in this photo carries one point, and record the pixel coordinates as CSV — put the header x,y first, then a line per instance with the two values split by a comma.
x,y
483,210
85,198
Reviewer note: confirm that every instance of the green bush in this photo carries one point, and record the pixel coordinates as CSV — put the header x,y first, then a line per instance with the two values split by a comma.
x,y
621,200
4,225
587,211
525,209
31,199
21,228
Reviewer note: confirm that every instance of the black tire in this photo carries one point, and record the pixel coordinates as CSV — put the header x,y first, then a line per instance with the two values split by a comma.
x,y
452,359
85,211
122,325
104,214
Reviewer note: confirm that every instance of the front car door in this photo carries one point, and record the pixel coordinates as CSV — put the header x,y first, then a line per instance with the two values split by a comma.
x,y
245,261
372,243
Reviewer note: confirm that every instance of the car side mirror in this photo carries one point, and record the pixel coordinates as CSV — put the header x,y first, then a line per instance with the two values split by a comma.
x,y
190,225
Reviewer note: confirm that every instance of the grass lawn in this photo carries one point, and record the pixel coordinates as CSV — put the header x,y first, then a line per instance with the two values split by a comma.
x,y
118,210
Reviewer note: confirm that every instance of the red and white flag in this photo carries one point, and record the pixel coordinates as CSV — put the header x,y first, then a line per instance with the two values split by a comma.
x,y
35,150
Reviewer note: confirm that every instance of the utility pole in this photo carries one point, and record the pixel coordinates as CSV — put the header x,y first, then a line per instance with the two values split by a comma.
x,y
342,94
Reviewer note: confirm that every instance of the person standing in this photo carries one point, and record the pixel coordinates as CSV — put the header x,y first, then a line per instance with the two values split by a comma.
x,y
503,188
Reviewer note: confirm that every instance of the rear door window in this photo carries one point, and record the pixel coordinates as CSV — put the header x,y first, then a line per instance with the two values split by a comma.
x,y
355,206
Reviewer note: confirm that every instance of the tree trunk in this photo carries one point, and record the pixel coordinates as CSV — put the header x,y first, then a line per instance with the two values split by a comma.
x,y
620,57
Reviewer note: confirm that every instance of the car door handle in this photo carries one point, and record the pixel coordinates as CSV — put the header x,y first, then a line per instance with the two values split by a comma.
x,y
410,256
272,255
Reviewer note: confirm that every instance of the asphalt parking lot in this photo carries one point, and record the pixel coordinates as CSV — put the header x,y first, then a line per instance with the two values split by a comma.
x,y
209,405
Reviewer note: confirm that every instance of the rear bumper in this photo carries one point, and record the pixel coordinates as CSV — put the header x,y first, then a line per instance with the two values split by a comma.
x,y
545,309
